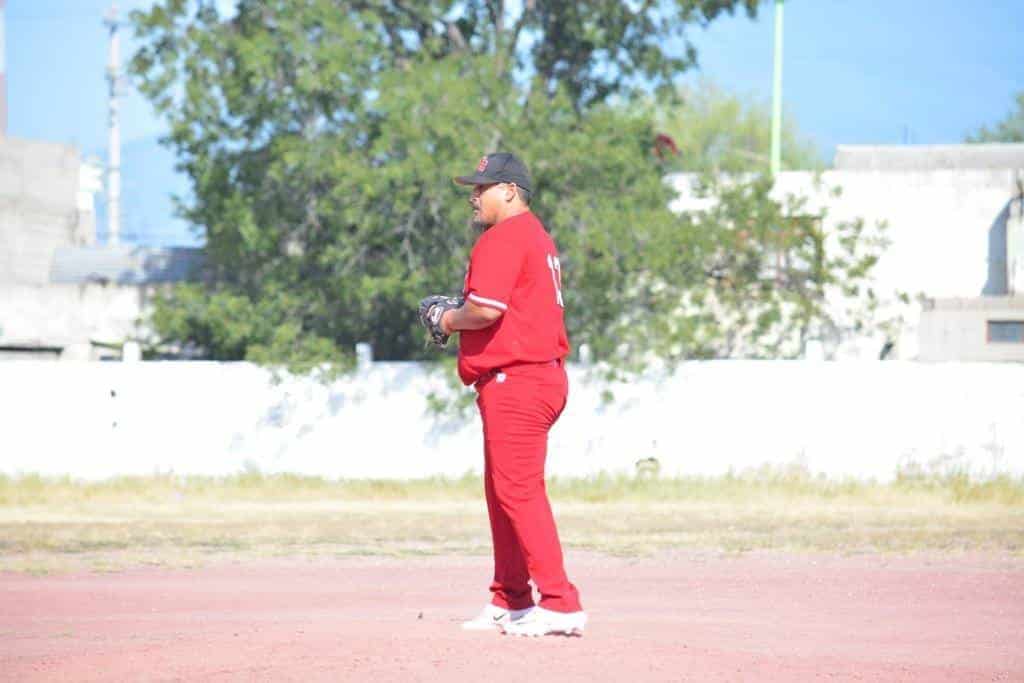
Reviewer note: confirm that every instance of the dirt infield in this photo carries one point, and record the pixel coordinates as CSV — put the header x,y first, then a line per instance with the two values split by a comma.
x,y
669,618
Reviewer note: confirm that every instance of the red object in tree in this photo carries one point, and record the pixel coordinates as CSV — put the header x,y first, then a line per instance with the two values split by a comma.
x,y
663,142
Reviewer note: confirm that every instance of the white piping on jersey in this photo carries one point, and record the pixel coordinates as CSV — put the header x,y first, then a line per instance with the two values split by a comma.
x,y
488,302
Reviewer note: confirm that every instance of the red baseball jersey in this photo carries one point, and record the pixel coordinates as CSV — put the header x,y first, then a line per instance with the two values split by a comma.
x,y
514,268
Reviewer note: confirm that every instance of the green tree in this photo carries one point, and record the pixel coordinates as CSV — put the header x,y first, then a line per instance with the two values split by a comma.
x,y
779,272
1010,129
718,132
320,138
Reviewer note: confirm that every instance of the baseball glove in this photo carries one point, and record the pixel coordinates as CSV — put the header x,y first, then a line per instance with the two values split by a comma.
x,y
431,310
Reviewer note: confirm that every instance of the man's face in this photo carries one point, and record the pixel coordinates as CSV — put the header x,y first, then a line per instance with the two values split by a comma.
x,y
486,202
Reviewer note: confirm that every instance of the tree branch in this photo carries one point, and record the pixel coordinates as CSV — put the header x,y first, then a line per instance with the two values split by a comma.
x,y
496,11
496,139
421,26
528,8
455,35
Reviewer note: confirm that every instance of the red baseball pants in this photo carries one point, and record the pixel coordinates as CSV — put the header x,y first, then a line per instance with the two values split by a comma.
x,y
518,407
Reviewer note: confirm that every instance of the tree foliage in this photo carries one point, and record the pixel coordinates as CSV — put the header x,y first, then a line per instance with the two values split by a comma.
x,y
1010,129
320,138
720,132
780,271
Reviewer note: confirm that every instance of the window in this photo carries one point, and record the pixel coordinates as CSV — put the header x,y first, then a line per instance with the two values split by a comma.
x,y
1006,331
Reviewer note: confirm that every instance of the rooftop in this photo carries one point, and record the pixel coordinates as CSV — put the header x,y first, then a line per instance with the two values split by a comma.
x,y
124,264
928,157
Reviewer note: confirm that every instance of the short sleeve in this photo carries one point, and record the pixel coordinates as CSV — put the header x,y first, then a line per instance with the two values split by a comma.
x,y
494,269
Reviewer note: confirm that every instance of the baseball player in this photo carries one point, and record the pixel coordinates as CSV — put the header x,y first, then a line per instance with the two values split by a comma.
x,y
512,346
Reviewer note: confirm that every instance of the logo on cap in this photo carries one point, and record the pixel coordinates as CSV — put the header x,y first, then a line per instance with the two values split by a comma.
x,y
482,166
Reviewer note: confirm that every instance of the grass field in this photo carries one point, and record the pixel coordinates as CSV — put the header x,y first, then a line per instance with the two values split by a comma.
x,y
54,525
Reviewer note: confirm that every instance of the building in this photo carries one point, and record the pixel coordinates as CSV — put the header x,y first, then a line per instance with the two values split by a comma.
x,y
955,222
62,296
955,217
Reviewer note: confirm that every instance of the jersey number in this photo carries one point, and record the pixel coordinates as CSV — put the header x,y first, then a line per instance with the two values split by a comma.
x,y
556,278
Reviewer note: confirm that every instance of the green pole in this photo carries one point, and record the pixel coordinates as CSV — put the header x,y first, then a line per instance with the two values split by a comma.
x,y
777,93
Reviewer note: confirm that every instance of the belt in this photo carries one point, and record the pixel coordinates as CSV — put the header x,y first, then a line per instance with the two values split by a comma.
x,y
493,372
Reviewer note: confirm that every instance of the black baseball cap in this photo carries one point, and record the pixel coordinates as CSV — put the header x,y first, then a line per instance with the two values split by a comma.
x,y
500,167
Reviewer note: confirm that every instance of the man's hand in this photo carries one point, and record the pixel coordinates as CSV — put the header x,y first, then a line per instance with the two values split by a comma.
x,y
431,312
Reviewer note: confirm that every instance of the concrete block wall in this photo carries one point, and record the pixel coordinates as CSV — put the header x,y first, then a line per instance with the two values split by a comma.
x,y
959,329
946,209
938,223
39,183
70,316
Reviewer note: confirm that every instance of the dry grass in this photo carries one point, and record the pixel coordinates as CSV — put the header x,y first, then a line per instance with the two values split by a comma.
x,y
51,525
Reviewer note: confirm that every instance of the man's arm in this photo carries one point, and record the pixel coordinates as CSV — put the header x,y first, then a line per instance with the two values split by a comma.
x,y
470,317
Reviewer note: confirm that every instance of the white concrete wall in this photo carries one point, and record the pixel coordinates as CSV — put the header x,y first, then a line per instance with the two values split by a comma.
x,y
940,224
39,185
958,328
862,419
71,315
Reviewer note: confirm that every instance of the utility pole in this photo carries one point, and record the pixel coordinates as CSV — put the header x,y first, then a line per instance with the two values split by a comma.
x,y
777,94
114,143
3,73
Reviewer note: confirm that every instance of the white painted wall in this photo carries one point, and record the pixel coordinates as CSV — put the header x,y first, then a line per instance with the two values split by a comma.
x,y
39,185
939,224
71,315
862,419
959,328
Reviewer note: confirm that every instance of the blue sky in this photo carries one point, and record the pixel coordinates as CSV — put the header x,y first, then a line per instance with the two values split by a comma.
x,y
873,71
856,72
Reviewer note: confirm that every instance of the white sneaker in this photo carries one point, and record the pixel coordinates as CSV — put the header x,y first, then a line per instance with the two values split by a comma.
x,y
494,617
544,622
